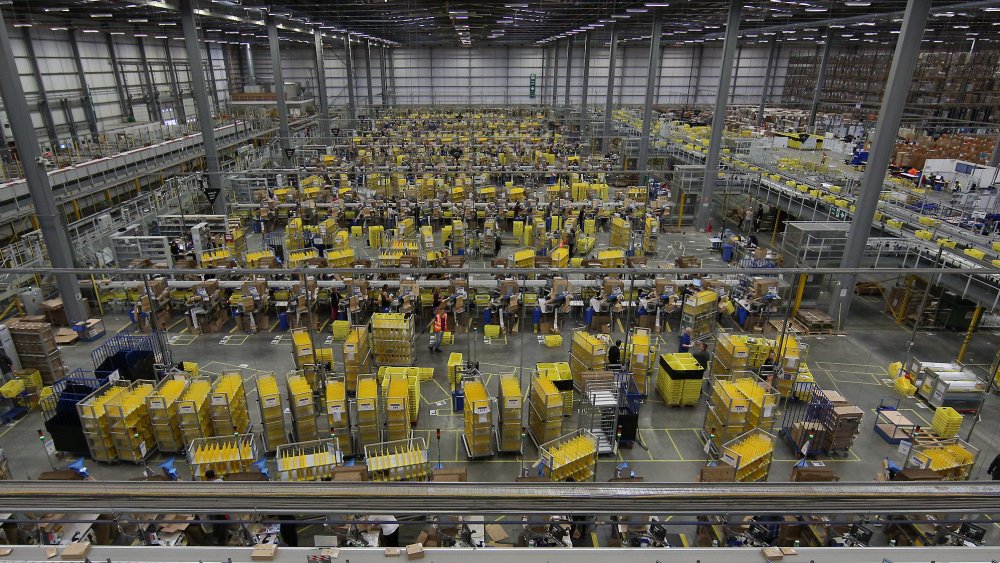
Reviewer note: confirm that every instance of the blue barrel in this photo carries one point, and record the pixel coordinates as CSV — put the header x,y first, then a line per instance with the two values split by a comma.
x,y
283,321
458,400
487,316
727,253
536,316
588,315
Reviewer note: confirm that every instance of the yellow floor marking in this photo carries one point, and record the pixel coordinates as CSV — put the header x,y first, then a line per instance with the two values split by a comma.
x,y
672,443
171,327
184,331
232,330
273,326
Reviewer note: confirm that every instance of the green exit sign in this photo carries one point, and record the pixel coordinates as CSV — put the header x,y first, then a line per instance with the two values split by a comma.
x,y
531,85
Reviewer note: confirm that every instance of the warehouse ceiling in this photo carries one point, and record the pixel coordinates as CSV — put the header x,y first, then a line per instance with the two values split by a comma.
x,y
416,23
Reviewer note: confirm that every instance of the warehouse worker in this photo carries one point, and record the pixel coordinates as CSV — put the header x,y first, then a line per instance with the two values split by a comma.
x,y
994,469
615,355
438,325
702,356
685,341
388,526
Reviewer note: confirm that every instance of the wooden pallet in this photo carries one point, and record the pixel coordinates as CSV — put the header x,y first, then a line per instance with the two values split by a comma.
x,y
793,327
815,321
927,437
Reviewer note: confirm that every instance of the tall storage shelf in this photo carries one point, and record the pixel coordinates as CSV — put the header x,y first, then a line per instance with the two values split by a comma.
x,y
305,354
128,422
599,414
398,460
302,406
367,411
162,405
699,312
510,412
478,437
308,461
223,454
193,413
94,420
392,339
397,421
413,377
228,405
751,454
272,414
357,356
561,376
338,415
640,359
573,456
587,353
545,411
679,379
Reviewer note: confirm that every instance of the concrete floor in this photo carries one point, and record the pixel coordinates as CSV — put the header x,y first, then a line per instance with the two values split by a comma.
x,y
853,364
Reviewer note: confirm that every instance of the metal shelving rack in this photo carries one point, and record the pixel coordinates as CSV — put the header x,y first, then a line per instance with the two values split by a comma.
x,y
599,414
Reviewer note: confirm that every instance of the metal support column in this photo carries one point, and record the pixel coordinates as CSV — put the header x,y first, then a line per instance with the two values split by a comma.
x,y
212,84
904,60
695,81
555,73
200,92
251,71
820,79
995,159
430,72
70,122
284,136
227,67
352,111
50,221
152,95
585,89
569,69
85,100
324,107
609,97
736,75
123,100
368,75
383,76
647,109
719,115
43,99
175,87
768,72
392,76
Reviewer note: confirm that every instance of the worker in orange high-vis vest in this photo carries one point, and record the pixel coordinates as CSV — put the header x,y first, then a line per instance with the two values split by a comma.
x,y
438,325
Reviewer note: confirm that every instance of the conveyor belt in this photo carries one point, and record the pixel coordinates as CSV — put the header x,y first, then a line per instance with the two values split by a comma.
x,y
496,498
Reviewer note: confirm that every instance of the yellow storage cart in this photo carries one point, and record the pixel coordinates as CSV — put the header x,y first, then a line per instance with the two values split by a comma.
x,y
366,409
478,437
193,413
302,406
162,406
338,415
509,424
308,461
272,413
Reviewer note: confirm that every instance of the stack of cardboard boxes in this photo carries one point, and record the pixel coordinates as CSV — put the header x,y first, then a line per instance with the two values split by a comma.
x,y
205,313
36,347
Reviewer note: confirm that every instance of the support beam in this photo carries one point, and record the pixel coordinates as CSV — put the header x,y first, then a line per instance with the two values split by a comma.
x,y
44,108
904,60
659,75
85,100
647,109
175,87
585,90
392,76
152,95
199,89
736,75
324,107
695,81
47,213
768,72
543,77
569,69
70,122
430,71
609,97
212,84
123,101
383,76
227,67
718,116
352,108
821,78
251,78
284,134
506,75
368,76
555,73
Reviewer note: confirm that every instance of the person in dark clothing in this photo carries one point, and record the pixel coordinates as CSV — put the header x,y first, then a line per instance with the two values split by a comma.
x,y
702,356
615,354
6,364
994,469
496,246
385,299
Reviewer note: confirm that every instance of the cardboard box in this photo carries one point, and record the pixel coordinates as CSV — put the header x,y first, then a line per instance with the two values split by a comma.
x,y
722,473
264,552
76,551
414,551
